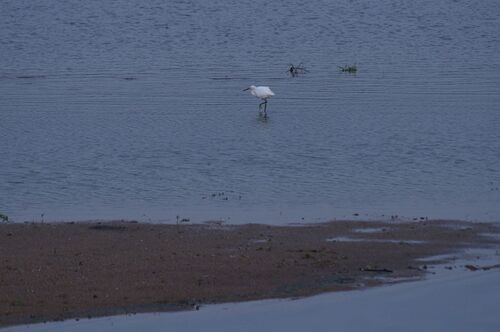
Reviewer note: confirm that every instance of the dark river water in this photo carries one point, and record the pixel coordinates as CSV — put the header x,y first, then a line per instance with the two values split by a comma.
x,y
134,109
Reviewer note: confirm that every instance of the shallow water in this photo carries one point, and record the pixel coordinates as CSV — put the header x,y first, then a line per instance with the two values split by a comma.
x,y
134,109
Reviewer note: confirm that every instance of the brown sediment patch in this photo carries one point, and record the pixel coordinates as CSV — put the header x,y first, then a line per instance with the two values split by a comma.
x,y
69,270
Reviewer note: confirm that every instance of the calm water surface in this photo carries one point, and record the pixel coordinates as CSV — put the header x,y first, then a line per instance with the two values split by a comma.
x,y
134,109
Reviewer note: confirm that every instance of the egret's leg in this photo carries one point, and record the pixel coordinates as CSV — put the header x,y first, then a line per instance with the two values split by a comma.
x,y
265,108
263,103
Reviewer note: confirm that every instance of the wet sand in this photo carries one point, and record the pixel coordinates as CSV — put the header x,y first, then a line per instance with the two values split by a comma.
x,y
74,270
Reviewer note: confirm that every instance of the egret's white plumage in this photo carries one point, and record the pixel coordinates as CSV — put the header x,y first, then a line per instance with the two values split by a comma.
x,y
262,92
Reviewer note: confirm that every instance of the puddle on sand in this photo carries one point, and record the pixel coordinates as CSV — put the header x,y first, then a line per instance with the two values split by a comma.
x,y
371,230
350,239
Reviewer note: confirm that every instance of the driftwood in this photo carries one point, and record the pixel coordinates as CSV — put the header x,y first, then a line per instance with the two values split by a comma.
x,y
372,269
484,268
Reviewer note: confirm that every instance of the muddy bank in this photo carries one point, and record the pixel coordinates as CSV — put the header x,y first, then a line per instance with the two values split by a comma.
x,y
71,270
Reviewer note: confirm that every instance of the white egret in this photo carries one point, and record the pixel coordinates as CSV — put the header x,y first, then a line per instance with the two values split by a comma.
x,y
261,92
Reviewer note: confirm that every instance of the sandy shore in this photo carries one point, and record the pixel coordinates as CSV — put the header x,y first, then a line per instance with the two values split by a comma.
x,y
71,270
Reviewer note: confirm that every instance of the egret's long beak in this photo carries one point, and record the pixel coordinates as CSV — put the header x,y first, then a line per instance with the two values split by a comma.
x,y
245,89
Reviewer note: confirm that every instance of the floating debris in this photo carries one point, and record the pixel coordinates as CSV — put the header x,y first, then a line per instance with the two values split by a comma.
x,y
223,196
4,217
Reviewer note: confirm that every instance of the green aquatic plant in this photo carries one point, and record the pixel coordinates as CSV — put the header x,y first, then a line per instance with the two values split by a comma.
x,y
4,217
349,69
